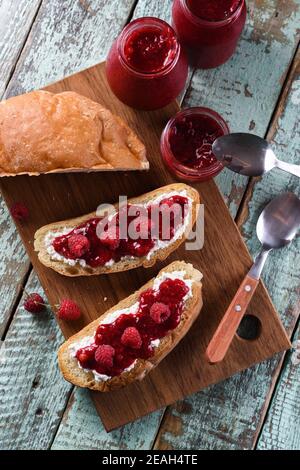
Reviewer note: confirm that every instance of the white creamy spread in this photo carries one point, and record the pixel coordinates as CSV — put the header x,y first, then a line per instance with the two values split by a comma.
x,y
159,244
88,340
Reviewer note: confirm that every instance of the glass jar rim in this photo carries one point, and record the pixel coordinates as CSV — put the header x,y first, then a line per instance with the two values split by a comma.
x,y
212,170
152,21
200,21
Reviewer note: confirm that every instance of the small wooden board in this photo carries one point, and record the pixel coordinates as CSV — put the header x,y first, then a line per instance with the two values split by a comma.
x,y
224,261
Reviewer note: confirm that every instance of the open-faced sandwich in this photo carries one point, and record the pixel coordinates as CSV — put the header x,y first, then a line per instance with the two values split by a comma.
x,y
118,238
130,339
43,132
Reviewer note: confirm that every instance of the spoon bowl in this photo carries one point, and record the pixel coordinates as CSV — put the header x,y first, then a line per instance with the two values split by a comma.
x,y
279,222
249,155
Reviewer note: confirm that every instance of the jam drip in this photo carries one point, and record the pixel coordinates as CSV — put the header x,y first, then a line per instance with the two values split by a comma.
x,y
104,240
213,10
191,140
170,295
150,49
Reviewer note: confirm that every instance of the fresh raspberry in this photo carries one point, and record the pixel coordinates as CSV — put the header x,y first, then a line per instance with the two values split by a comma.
x,y
78,245
131,338
68,310
104,355
110,238
172,291
19,212
34,303
87,354
159,312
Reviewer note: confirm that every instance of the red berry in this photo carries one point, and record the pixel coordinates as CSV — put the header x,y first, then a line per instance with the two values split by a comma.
x,y
142,227
110,237
34,303
68,310
84,355
19,212
159,312
104,355
131,338
78,245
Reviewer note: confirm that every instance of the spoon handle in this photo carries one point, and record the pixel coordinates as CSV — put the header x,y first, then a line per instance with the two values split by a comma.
x,y
289,167
226,330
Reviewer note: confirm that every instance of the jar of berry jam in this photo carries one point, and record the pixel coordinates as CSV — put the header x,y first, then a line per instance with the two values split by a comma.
x,y
146,67
209,29
186,144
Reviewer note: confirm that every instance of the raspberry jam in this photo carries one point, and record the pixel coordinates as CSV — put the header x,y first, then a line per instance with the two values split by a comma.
x,y
209,30
146,67
186,143
171,293
149,50
133,231
211,10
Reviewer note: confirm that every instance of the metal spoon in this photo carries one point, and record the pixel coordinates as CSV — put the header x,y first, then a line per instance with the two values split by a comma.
x,y
249,155
277,226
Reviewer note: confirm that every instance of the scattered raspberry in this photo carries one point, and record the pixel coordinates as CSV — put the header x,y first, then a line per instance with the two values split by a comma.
x,y
34,303
78,245
19,212
110,238
159,312
131,338
104,355
68,310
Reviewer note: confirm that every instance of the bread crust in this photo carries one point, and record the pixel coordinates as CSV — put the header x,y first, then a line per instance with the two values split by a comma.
x,y
77,270
43,132
74,374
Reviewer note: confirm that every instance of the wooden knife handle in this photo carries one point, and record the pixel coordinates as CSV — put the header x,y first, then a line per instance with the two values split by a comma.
x,y
226,330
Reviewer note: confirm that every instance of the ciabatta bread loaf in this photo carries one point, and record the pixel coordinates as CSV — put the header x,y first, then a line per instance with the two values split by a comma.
x,y
42,132
70,367
76,269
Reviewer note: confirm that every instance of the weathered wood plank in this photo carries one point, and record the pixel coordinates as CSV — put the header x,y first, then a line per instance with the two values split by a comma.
x,y
15,22
230,415
54,77
245,90
81,429
281,430
14,265
32,391
67,37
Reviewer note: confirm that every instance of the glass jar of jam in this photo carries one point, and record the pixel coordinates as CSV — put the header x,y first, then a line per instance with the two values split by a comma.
x,y
209,29
146,67
186,144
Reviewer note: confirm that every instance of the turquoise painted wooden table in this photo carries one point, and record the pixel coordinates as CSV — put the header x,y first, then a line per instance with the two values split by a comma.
x,y
258,90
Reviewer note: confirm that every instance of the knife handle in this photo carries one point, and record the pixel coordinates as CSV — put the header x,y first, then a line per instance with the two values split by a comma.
x,y
229,324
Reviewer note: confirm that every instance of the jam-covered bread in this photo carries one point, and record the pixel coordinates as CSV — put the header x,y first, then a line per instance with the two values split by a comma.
x,y
118,238
130,339
42,132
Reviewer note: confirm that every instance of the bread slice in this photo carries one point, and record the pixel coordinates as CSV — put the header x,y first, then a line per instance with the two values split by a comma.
x,y
123,265
43,132
69,365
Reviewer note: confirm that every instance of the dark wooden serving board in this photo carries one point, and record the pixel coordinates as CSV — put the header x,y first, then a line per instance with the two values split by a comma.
x,y
224,261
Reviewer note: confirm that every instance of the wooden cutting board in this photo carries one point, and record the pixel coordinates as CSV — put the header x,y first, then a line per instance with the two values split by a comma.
x,y
223,260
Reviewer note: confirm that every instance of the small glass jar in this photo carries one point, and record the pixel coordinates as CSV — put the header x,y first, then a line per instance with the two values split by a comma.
x,y
146,67
209,43
186,144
